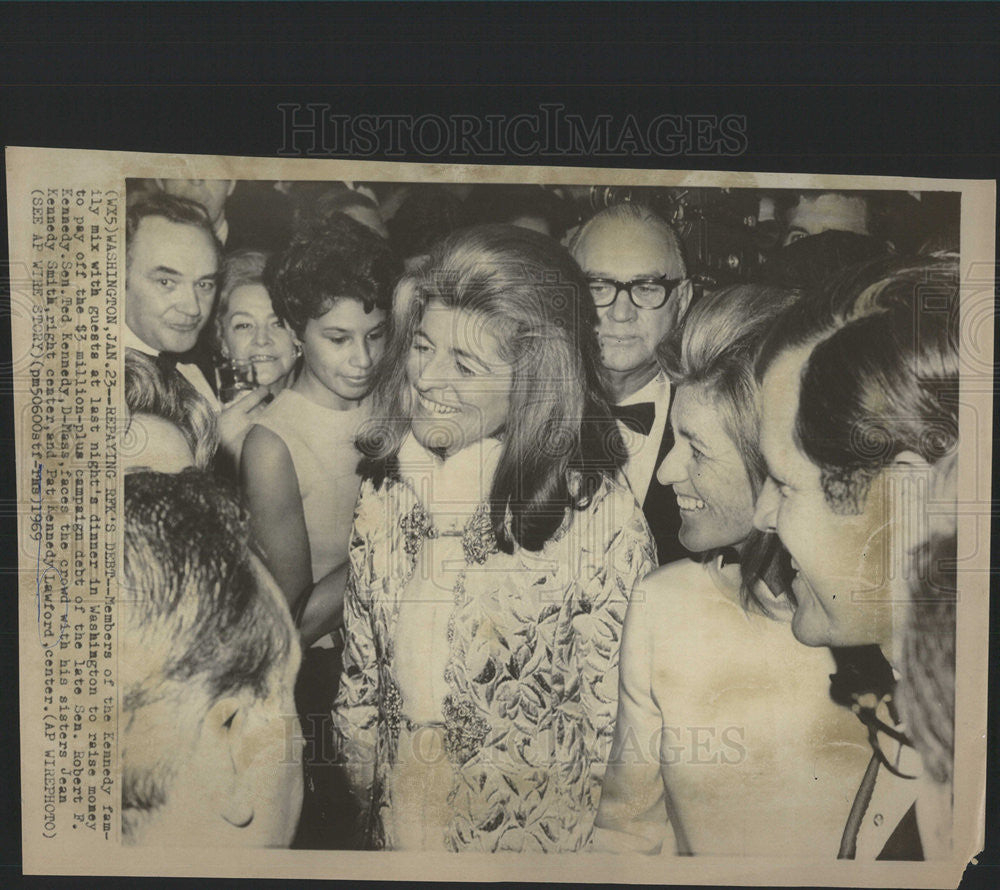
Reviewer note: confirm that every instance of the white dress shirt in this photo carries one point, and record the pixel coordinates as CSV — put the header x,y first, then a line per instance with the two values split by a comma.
x,y
642,450
190,371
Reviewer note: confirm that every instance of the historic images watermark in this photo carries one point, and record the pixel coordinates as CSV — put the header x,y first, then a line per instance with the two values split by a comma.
x,y
319,130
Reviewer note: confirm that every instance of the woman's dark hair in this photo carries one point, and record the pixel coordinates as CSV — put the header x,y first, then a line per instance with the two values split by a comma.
x,y
715,349
335,260
560,442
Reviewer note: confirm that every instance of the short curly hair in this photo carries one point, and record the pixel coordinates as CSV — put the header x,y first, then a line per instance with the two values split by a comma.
x,y
334,260
201,620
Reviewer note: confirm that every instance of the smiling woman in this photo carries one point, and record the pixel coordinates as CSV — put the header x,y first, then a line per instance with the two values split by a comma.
x,y
247,327
697,732
492,558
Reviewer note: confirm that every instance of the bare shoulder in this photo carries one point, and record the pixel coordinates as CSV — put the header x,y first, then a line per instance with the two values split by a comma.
x,y
265,448
266,457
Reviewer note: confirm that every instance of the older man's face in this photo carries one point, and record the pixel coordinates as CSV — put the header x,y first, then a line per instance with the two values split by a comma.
x,y
624,251
170,283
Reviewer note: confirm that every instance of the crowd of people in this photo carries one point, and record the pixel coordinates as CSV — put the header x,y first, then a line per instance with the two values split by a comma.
x,y
459,522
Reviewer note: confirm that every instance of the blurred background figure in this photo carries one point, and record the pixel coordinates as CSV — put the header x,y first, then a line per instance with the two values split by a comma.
x,y
810,213
316,207
210,194
427,214
529,206
208,662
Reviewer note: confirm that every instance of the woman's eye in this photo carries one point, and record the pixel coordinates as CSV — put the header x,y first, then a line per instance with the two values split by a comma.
x,y
337,341
785,491
464,370
696,453
241,326
376,335
165,283
421,347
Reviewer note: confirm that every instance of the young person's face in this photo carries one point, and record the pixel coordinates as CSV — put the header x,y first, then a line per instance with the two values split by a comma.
x,y
708,475
252,332
840,559
340,349
460,384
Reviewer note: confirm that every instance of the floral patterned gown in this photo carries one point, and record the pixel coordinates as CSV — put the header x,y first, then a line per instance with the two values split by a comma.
x,y
520,669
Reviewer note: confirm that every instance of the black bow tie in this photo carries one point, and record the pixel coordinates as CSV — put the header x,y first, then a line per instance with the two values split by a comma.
x,y
167,362
638,417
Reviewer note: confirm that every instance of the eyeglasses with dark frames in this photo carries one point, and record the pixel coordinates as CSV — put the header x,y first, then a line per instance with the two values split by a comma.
x,y
645,293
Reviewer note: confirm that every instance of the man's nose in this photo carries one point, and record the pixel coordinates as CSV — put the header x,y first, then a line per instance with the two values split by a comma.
x,y
622,308
671,469
765,516
190,301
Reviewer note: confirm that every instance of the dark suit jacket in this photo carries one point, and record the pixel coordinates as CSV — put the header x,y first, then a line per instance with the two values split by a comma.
x,y
660,507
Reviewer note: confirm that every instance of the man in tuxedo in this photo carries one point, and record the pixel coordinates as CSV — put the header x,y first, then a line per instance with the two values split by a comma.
x,y
633,261
172,270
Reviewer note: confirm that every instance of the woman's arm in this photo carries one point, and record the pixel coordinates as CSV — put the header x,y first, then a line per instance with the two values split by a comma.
x,y
324,610
633,813
271,488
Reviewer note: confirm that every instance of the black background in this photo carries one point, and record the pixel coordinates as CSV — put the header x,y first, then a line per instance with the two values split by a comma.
x,y
895,89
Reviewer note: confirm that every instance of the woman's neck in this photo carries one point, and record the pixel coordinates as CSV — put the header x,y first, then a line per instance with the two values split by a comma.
x,y
310,387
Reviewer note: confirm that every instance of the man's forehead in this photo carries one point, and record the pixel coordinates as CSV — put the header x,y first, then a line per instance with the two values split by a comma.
x,y
159,235
622,241
780,404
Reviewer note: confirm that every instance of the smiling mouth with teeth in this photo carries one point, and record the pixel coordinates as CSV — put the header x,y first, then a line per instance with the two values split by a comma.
x,y
435,407
686,503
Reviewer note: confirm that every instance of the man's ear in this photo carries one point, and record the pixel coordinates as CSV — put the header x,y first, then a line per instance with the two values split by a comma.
x,y
224,733
681,298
